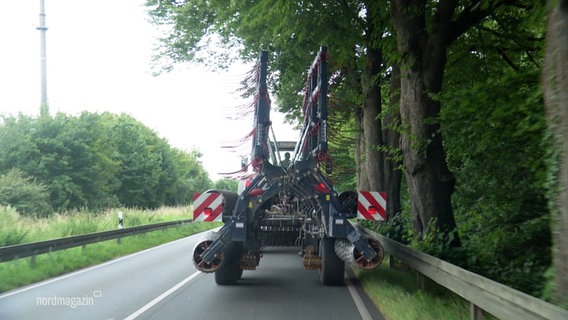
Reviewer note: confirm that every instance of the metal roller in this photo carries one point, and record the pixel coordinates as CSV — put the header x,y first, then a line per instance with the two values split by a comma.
x,y
347,252
198,259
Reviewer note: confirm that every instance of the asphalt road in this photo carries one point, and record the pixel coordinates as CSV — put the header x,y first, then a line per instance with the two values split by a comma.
x,y
161,283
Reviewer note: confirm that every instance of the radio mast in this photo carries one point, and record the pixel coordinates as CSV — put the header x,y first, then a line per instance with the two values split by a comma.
x,y
44,109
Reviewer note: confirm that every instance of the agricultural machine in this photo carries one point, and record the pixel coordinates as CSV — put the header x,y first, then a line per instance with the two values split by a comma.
x,y
292,204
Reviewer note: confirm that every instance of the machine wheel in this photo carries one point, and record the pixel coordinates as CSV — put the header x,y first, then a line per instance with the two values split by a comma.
x,y
332,267
348,200
230,272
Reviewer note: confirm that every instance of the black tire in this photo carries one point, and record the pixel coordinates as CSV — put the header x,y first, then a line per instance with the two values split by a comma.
x,y
332,267
229,201
229,205
230,272
348,201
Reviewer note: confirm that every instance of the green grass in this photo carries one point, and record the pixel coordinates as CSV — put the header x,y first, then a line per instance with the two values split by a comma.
x,y
394,291
16,229
396,294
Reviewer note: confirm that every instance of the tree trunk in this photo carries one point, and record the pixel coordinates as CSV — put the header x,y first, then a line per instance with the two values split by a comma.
x,y
371,85
362,177
430,182
555,76
391,136
371,122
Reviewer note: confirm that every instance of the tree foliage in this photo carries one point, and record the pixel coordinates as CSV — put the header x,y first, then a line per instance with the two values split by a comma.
x,y
472,122
24,194
96,161
555,76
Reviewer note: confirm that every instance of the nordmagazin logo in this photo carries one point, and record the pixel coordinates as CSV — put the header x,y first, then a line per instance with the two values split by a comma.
x,y
71,302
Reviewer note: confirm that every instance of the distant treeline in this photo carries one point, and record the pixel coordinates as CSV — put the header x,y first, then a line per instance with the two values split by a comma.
x,y
92,161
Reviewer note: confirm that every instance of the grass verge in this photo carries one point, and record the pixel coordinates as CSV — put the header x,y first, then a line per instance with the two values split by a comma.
x,y
16,229
21,272
396,293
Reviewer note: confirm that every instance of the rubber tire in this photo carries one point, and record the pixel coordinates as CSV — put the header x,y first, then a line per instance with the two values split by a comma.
x,y
348,201
230,272
332,271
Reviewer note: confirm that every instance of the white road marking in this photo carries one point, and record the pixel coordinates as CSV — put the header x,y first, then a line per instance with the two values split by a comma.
x,y
162,297
16,291
365,315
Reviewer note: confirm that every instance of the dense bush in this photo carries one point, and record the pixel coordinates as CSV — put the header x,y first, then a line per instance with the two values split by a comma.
x,y
24,194
94,161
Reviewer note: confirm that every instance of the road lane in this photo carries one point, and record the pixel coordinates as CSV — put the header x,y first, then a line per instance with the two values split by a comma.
x,y
161,283
279,289
110,291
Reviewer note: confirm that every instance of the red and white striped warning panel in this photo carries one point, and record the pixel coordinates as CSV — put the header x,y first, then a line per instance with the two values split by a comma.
x,y
372,205
207,206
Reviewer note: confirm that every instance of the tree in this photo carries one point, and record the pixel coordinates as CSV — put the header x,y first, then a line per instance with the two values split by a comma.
x,y
17,148
492,119
292,32
424,32
97,161
192,176
226,184
555,82
24,194
462,74
138,152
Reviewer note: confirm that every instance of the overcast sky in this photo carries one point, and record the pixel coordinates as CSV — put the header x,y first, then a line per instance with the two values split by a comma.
x,y
99,59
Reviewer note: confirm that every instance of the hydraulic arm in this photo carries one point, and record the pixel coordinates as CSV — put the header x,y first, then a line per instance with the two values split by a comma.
x,y
291,205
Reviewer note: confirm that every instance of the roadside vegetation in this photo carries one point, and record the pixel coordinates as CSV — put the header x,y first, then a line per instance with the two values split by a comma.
x,y
15,229
396,294
456,107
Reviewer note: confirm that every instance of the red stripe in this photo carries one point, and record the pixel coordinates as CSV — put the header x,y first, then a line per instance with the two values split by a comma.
x,y
206,202
364,211
216,212
375,203
372,201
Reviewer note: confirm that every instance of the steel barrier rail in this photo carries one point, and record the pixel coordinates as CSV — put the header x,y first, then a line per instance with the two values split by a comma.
x,y
495,298
499,300
34,248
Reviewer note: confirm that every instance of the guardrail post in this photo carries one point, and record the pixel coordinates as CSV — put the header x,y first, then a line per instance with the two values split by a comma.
x,y
120,225
33,261
120,220
420,280
476,312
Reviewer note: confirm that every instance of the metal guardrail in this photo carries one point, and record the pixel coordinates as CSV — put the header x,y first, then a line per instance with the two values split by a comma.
x,y
497,299
34,248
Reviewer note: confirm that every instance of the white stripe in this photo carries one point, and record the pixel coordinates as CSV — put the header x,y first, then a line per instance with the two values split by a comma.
x,y
162,296
217,202
361,198
17,291
365,315
202,197
382,201
366,204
